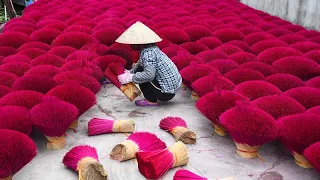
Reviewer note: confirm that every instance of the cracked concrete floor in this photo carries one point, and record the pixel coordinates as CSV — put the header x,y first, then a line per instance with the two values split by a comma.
x,y
212,156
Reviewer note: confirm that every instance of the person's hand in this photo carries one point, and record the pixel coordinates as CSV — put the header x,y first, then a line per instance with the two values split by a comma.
x,y
127,71
125,78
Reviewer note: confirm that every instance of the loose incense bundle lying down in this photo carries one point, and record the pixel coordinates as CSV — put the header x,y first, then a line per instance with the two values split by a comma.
x,y
84,159
178,128
130,90
187,175
138,141
103,126
154,164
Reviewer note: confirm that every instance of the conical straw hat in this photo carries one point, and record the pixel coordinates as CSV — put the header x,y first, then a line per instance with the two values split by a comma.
x,y
138,33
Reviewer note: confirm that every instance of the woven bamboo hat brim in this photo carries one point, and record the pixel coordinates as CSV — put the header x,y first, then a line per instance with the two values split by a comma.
x,y
138,33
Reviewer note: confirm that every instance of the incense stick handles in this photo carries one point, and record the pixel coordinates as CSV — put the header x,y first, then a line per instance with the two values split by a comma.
x,y
180,154
56,143
124,151
7,178
130,90
123,126
301,161
90,168
247,151
184,134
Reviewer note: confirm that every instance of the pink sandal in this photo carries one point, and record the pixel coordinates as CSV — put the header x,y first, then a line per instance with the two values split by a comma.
x,y
144,102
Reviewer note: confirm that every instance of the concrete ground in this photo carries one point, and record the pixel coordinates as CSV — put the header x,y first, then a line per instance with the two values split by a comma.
x,y
212,156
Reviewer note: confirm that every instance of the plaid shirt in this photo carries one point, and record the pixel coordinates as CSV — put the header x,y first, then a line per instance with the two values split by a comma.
x,y
157,65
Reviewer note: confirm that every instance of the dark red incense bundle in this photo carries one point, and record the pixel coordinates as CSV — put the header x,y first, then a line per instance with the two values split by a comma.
x,y
62,51
16,57
45,35
138,141
7,78
104,61
306,46
154,164
228,34
70,93
73,39
38,83
15,118
78,78
85,160
264,68
24,98
182,61
297,132
178,128
314,110
183,174
194,47
240,75
85,56
299,66
210,55
97,48
210,42
250,128
253,38
213,104
292,38
285,81
312,154
197,32
35,44
256,89
307,96
44,70
229,49
243,57
17,68
240,44
7,51
130,90
53,117
266,44
279,106
223,65
103,126
313,55
16,150
195,71
206,84
272,54
4,90
48,59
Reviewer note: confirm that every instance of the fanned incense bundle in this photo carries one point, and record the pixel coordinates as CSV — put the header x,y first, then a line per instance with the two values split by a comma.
x,y
183,174
249,127
213,104
312,154
130,90
139,141
53,117
154,164
297,132
16,150
103,126
178,128
84,159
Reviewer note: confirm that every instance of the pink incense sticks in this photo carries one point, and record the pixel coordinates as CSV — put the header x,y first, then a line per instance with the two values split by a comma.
x,y
84,159
103,126
136,142
178,128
